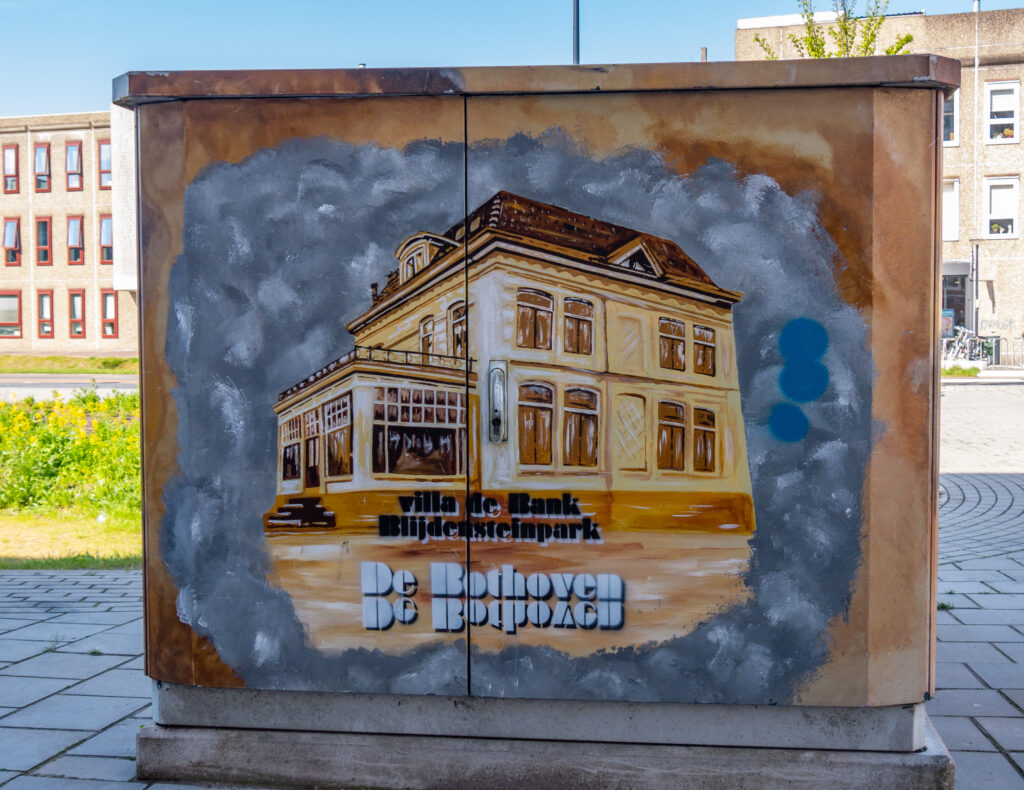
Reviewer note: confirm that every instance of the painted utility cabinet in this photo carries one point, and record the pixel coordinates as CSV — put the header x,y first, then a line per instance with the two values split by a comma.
x,y
609,383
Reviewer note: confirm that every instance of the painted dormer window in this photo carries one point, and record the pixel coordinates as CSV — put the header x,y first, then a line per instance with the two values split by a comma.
x,y
636,258
416,253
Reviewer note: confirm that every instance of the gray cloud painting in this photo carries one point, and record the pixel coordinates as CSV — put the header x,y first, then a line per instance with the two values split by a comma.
x,y
279,252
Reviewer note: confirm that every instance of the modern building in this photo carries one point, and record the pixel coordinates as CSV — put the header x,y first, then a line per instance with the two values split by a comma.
x,y
982,157
60,244
588,357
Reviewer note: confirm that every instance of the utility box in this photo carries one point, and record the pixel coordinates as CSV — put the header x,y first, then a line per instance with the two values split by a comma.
x,y
532,422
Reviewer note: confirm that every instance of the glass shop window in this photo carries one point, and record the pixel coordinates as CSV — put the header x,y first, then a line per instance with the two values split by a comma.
x,y
338,428
291,436
419,431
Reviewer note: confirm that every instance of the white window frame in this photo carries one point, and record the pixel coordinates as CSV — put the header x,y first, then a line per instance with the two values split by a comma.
x,y
1014,86
955,140
1013,181
954,198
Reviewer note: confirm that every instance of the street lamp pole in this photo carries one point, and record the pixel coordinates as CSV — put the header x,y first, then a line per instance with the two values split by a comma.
x,y
576,32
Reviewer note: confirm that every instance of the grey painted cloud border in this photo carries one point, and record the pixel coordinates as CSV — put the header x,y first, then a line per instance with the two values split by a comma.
x,y
279,251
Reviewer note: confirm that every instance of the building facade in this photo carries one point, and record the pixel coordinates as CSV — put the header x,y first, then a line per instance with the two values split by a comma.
x,y
567,354
982,158
57,289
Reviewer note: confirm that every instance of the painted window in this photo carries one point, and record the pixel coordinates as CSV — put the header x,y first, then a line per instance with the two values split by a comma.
x,y
76,313
671,436
703,440
419,431
536,412
291,436
426,337
76,246
1002,107
12,242
41,166
106,239
338,428
10,168
10,314
951,210
108,302
106,179
44,313
311,435
73,165
951,120
43,241
533,318
671,344
1002,205
704,350
579,326
457,321
579,420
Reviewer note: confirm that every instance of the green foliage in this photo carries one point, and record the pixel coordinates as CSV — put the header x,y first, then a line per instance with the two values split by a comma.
x,y
83,455
849,35
81,561
956,370
30,363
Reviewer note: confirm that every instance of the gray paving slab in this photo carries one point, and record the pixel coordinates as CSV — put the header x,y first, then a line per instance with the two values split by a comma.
x,y
7,775
957,602
959,732
990,616
964,588
963,652
108,768
139,662
1014,650
1007,732
12,650
998,601
22,749
981,771
73,712
951,675
971,702
102,618
9,624
979,633
56,632
116,683
106,643
21,691
26,782
115,741
62,665
1006,677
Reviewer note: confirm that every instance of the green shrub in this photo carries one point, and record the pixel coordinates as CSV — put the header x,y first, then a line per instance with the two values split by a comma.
x,y
956,370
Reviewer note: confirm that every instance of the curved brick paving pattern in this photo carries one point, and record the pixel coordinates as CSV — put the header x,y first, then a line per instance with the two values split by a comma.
x,y
980,515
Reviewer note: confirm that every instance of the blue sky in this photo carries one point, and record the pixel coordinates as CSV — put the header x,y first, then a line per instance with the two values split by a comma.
x,y
60,55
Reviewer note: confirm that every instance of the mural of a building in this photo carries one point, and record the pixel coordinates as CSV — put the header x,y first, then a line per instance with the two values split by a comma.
x,y
589,357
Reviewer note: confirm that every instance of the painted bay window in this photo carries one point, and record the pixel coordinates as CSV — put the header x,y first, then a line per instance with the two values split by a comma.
x,y
419,431
311,434
536,410
951,210
76,313
579,326
73,165
291,449
703,440
108,303
338,429
44,314
10,314
76,245
12,242
1002,206
1002,110
534,311
106,239
704,350
951,120
671,436
10,168
457,321
106,179
579,419
43,245
41,166
671,344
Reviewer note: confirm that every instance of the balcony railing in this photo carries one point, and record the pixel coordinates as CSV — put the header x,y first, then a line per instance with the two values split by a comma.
x,y
386,355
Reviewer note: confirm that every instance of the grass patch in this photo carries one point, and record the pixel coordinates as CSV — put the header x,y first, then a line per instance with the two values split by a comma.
x,y
68,540
73,562
956,370
18,363
944,606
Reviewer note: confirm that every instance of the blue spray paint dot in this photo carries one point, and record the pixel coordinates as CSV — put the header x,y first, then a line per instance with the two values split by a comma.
x,y
803,340
803,381
788,423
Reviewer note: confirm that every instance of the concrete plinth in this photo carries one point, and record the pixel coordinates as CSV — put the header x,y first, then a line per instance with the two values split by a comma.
x,y
408,761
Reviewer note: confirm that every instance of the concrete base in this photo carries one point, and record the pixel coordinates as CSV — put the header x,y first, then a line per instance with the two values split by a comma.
x,y
409,761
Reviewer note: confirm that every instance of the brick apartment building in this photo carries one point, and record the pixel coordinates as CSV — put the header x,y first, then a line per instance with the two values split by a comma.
x,y
57,227
983,157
